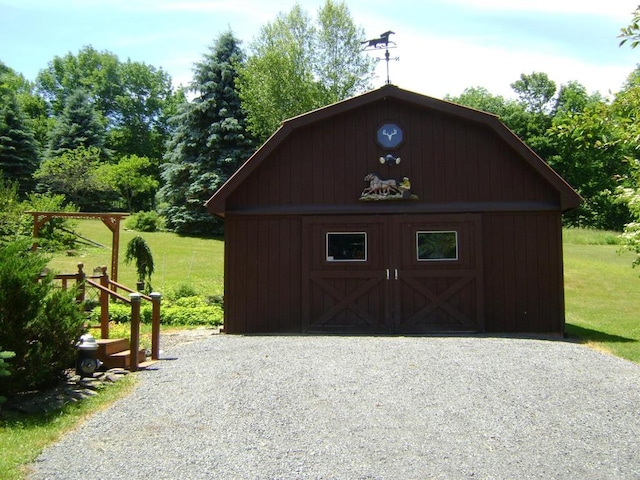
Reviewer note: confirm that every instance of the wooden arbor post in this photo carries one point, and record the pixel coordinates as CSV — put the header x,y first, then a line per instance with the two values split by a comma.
x,y
111,220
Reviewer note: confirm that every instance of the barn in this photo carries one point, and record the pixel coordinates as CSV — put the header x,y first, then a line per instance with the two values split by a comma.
x,y
394,213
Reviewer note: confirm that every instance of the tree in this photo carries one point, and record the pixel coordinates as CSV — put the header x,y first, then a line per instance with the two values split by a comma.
x,y
78,126
340,67
296,66
210,141
632,31
30,104
38,321
128,178
18,147
535,91
134,100
75,174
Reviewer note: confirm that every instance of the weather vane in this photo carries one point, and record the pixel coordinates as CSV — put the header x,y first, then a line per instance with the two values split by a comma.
x,y
379,43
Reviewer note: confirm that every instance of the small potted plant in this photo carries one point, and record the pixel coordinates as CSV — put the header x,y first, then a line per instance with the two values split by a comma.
x,y
138,250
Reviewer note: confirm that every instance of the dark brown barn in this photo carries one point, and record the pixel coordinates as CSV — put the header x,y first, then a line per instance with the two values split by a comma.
x,y
393,212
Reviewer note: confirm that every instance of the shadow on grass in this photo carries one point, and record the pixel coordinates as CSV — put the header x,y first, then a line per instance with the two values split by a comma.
x,y
582,335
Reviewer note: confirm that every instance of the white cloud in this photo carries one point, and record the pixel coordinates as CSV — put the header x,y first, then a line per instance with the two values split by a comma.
x,y
613,9
438,66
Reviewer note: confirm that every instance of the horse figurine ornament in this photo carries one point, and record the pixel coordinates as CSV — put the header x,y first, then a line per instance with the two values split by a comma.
x,y
383,41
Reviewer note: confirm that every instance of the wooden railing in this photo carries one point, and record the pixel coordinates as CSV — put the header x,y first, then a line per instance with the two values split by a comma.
x,y
109,289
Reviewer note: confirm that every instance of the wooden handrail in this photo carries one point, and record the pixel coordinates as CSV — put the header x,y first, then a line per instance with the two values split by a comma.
x,y
104,286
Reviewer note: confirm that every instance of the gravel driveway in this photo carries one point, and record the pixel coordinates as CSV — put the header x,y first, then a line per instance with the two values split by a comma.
x,y
332,407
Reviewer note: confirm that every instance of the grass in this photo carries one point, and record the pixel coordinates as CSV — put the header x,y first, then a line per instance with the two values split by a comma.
x,y
22,437
178,260
601,293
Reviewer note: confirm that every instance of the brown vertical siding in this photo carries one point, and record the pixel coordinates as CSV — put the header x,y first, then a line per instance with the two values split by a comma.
x,y
523,273
262,275
460,162
447,160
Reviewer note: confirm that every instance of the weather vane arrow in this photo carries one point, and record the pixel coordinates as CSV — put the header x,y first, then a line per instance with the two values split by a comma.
x,y
379,43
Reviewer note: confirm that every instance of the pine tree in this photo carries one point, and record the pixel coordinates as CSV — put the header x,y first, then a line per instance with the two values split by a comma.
x,y
78,126
18,147
209,143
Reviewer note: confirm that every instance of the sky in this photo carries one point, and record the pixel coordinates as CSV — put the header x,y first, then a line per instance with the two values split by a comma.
x,y
443,46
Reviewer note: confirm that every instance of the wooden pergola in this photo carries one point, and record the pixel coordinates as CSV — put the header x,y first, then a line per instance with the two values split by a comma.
x,y
111,220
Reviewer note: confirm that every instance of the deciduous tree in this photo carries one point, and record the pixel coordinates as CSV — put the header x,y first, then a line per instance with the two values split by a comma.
x,y
296,65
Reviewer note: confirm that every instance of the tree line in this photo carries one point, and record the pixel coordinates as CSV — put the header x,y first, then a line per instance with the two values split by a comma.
x,y
96,133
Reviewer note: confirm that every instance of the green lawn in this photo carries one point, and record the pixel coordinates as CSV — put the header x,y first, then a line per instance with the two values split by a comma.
x,y
178,260
602,297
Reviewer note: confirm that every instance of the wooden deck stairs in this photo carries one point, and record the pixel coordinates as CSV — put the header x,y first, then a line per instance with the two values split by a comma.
x,y
116,353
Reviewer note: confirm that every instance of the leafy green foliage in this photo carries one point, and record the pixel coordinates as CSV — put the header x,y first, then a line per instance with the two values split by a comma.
x,y
297,65
16,224
632,31
192,311
39,322
139,252
145,222
209,143
128,177
183,290
184,311
75,174
134,100
4,367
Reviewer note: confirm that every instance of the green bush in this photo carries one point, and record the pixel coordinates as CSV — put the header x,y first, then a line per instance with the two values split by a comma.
x,y
145,222
38,321
183,290
4,367
16,224
187,311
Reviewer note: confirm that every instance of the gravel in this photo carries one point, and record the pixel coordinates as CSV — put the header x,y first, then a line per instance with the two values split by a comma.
x,y
350,407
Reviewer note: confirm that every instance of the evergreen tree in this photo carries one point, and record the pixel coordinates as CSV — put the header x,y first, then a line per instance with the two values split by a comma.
x,y
209,143
78,126
18,147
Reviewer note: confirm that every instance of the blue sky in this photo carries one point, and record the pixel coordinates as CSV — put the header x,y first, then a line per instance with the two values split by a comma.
x,y
444,45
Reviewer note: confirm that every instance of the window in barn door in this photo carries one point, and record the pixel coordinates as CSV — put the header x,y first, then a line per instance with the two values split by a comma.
x,y
437,245
346,247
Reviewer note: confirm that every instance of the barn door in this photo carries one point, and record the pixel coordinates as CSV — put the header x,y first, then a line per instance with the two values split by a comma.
x,y
392,274
344,270
438,282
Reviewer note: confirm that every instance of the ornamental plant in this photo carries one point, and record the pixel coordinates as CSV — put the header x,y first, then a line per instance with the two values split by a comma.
x,y
38,321
139,251
4,367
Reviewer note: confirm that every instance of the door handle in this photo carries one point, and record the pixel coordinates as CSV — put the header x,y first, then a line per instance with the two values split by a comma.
x,y
396,273
388,274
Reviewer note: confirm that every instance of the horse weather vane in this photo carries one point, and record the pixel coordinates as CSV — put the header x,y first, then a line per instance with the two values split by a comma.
x,y
379,43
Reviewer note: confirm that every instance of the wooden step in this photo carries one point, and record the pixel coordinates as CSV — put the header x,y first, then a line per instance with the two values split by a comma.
x,y
109,346
123,359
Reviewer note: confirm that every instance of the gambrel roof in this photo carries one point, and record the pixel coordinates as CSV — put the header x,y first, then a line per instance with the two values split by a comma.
x,y
569,199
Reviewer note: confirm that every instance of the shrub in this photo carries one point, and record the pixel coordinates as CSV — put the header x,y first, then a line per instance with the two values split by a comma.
x,y
4,367
145,222
183,290
188,311
39,322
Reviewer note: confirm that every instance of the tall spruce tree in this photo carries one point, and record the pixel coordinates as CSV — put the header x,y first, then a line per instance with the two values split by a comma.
x,y
209,143
78,126
18,147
